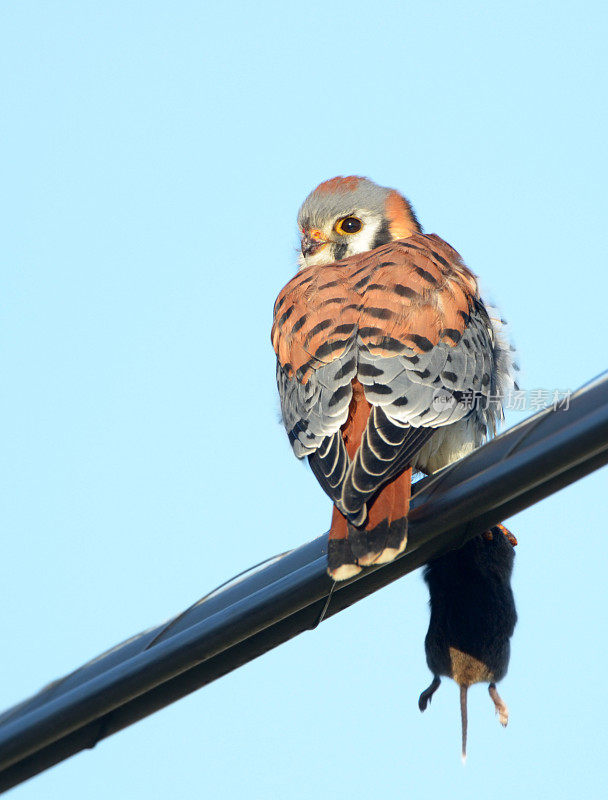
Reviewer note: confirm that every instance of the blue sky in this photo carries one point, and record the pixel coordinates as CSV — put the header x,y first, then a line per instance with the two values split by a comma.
x,y
154,156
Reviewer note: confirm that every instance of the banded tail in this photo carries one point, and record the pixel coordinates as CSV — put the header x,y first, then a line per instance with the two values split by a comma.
x,y
373,490
382,537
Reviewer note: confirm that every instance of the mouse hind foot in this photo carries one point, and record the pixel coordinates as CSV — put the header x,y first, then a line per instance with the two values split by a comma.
x,y
426,696
499,705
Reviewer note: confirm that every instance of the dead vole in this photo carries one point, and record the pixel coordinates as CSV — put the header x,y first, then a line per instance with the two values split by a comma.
x,y
472,618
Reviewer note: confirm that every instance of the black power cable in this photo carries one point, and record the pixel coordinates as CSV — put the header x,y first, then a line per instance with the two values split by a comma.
x,y
288,594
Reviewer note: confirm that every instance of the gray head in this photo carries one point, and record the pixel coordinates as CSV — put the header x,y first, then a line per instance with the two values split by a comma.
x,y
346,216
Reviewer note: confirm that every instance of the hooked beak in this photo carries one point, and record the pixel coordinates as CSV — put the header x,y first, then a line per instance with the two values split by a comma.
x,y
312,241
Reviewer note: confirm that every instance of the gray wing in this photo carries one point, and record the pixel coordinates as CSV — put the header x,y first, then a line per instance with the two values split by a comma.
x,y
436,387
413,394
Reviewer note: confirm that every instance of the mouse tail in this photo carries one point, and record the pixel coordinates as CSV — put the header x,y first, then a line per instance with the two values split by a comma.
x,y
463,718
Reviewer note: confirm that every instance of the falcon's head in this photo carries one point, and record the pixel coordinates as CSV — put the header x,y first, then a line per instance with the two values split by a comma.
x,y
345,216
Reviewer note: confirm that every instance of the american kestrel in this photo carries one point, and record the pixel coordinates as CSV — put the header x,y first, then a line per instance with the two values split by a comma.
x,y
387,362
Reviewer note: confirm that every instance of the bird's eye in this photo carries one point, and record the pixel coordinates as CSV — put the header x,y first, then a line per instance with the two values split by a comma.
x,y
348,225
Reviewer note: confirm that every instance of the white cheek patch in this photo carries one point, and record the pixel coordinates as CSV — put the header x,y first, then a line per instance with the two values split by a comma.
x,y
364,240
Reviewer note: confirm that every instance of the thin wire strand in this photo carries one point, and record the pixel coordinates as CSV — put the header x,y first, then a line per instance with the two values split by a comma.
x,y
205,597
